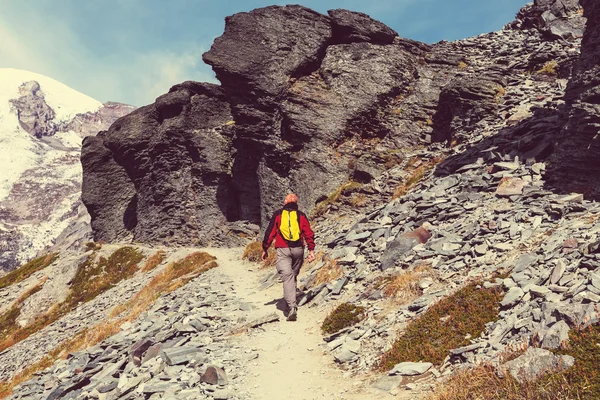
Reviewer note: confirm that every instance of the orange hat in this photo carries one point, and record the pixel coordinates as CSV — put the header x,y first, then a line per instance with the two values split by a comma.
x,y
290,198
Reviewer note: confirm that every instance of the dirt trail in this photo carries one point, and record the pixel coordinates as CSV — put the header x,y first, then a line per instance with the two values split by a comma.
x,y
291,364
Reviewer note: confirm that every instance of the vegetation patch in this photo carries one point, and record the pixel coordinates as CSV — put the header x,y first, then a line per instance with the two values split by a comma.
x,y
154,261
328,273
406,286
582,381
173,277
93,246
417,169
25,271
8,320
549,68
253,253
343,316
446,325
92,278
346,189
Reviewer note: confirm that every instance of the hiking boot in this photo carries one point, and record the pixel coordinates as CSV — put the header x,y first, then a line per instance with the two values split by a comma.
x,y
293,314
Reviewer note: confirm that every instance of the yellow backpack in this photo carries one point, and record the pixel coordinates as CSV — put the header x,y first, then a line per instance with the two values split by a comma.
x,y
290,225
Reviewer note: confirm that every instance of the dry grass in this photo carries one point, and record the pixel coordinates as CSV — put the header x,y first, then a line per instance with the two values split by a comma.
x,y
359,200
446,325
328,273
31,291
92,278
8,320
173,277
549,68
154,261
405,287
582,381
253,253
25,271
343,316
346,189
418,169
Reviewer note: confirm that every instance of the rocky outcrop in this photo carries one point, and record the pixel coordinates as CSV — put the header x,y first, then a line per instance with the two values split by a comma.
x,y
35,116
576,163
162,173
295,85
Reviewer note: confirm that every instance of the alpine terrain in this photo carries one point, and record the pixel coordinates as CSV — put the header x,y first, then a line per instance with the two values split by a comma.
x,y
42,124
452,187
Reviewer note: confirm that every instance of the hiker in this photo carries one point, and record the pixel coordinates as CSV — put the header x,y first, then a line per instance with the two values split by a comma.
x,y
289,228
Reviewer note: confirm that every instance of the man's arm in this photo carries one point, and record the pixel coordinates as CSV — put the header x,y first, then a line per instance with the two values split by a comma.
x,y
270,234
308,235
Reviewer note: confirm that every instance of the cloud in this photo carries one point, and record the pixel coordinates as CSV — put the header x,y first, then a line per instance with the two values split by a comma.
x,y
125,73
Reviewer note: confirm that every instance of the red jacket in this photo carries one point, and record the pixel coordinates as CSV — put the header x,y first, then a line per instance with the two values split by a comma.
x,y
273,234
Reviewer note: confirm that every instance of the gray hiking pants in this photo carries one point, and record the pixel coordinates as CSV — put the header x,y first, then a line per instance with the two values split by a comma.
x,y
289,262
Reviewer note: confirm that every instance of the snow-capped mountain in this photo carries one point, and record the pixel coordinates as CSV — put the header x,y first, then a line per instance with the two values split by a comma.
x,y
42,124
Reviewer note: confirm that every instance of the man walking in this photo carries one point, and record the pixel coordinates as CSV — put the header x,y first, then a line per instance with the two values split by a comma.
x,y
289,228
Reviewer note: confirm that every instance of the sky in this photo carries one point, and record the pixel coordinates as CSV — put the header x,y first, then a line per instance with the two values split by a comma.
x,y
132,51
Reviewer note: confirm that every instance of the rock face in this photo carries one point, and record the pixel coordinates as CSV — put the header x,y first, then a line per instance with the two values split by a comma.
x,y
576,165
302,84
170,162
42,123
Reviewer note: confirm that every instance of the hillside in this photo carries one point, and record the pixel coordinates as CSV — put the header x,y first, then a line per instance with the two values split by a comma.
x,y
452,188
42,124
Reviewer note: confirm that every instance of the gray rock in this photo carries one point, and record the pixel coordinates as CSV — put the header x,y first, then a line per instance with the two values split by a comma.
x,y
180,355
512,297
524,262
535,363
410,368
556,335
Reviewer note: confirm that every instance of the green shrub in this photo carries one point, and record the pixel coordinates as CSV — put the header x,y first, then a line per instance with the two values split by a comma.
x,y
343,316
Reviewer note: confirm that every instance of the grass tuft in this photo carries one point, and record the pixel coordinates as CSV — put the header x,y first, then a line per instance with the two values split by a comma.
x,y
93,278
346,189
418,170
343,316
445,326
549,68
253,252
328,273
25,271
405,287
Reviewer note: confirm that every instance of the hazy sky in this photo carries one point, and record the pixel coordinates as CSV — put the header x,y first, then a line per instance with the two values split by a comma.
x,y
134,50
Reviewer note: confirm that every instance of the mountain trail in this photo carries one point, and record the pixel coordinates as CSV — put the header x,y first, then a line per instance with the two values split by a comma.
x,y
291,364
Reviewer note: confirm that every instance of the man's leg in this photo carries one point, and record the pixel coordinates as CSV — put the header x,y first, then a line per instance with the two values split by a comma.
x,y
286,274
297,262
